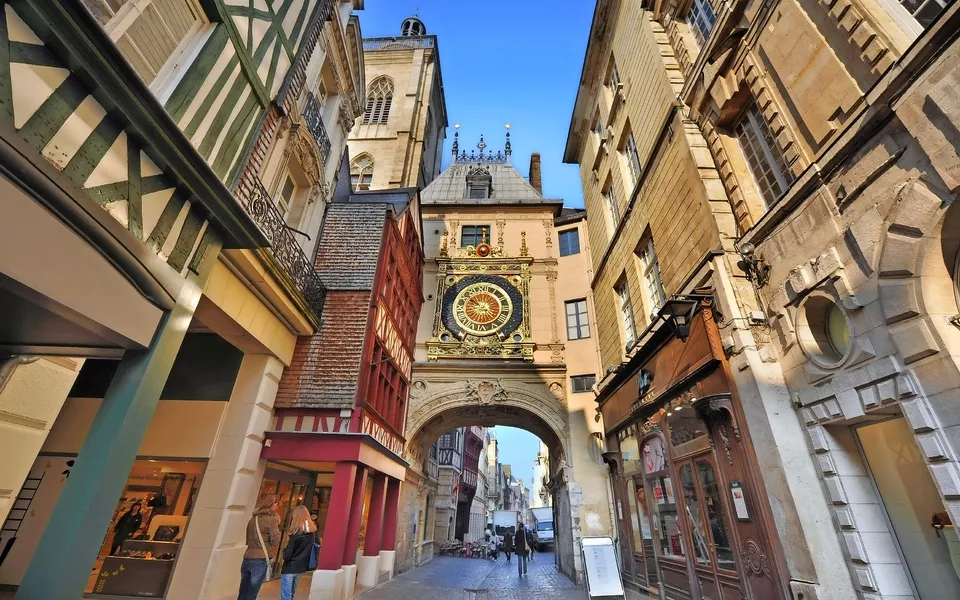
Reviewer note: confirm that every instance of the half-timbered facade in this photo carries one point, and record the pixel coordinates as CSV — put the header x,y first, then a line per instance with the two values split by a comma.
x,y
342,405
166,166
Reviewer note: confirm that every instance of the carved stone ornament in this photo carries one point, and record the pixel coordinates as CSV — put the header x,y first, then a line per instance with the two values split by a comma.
x,y
301,145
486,392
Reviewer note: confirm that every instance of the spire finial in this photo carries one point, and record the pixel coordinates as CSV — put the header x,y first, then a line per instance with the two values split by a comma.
x,y
456,141
507,148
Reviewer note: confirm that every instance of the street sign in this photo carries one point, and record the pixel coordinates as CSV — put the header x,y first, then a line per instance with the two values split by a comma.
x,y
601,568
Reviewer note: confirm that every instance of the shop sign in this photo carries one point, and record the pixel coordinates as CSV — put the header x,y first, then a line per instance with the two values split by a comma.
x,y
739,501
387,332
380,433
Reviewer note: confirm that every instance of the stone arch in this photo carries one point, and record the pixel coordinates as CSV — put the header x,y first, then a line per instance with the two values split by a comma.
x,y
916,292
538,406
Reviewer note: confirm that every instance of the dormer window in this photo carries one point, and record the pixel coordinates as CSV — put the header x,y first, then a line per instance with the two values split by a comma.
x,y
479,183
479,192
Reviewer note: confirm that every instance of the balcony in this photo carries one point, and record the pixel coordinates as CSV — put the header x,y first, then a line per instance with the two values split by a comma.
x,y
294,270
468,478
313,120
411,42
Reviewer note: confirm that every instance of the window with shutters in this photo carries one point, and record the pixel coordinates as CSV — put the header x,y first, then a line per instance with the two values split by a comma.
x,y
569,242
379,98
578,324
361,172
153,35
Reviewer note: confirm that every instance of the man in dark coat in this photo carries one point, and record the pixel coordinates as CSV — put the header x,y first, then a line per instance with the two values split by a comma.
x,y
521,545
507,544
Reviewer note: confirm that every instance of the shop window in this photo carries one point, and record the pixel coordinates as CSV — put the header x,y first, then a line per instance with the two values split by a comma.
x,y
715,517
143,540
151,34
694,515
578,325
583,383
823,331
687,432
763,154
663,505
474,235
629,450
702,20
569,242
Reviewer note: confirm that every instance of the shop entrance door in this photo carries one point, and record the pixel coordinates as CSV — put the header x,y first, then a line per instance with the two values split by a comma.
x,y
708,522
291,488
643,557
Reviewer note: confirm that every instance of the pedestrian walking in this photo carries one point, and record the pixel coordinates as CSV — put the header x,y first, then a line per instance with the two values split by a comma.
x,y
297,554
521,545
493,546
530,539
263,539
508,544
126,526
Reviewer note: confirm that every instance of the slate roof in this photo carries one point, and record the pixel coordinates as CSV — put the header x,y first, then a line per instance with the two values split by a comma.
x,y
507,186
350,245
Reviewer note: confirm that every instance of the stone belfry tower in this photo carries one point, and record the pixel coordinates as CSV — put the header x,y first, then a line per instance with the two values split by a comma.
x,y
398,140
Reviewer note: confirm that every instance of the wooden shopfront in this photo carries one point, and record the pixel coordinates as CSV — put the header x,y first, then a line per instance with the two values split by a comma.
x,y
691,509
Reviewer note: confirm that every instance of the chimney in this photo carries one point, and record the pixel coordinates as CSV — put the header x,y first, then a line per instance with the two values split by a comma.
x,y
535,172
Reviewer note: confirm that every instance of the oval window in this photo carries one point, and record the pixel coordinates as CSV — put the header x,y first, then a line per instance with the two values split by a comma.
x,y
838,333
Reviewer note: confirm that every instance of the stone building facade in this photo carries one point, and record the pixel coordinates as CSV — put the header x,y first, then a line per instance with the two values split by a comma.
x,y
811,227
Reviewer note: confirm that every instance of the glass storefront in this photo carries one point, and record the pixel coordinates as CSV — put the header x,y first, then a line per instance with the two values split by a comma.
x,y
143,540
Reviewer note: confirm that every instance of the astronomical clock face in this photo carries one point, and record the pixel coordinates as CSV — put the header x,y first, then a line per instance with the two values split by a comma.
x,y
482,308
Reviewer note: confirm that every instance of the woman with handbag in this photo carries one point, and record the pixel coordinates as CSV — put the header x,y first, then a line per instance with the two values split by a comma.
x,y
301,552
263,539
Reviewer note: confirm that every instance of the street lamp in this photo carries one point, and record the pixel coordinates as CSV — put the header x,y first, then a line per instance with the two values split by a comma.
x,y
678,312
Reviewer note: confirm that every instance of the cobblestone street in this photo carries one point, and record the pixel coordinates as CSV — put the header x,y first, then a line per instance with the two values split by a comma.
x,y
448,578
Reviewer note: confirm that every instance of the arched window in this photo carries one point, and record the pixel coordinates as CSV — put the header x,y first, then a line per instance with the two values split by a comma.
x,y
361,172
379,97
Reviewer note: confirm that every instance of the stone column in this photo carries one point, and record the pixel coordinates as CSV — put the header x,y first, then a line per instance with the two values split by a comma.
x,y
388,556
368,569
31,396
209,563
73,536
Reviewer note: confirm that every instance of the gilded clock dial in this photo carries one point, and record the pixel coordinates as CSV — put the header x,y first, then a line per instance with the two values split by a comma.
x,y
482,308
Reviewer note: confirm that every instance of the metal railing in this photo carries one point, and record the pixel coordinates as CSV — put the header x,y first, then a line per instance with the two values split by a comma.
x,y
313,119
411,42
284,249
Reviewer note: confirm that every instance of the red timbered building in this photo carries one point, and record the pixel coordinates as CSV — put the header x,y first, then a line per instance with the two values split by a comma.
x,y
341,408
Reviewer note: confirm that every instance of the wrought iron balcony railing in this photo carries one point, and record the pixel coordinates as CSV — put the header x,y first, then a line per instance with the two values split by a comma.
x,y
284,249
313,119
400,43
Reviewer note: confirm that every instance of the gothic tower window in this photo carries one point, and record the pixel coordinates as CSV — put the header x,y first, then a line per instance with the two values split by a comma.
x,y
361,172
379,98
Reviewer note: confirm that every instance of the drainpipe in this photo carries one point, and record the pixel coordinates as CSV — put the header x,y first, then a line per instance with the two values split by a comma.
x,y
9,364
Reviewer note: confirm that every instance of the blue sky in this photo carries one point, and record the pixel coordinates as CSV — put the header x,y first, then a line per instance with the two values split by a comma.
x,y
517,448
504,61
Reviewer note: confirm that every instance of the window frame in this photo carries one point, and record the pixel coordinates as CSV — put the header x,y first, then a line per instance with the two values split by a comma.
x,y
362,172
379,101
581,319
476,234
654,295
613,207
567,234
483,189
625,306
631,157
701,13
174,66
751,117
574,379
